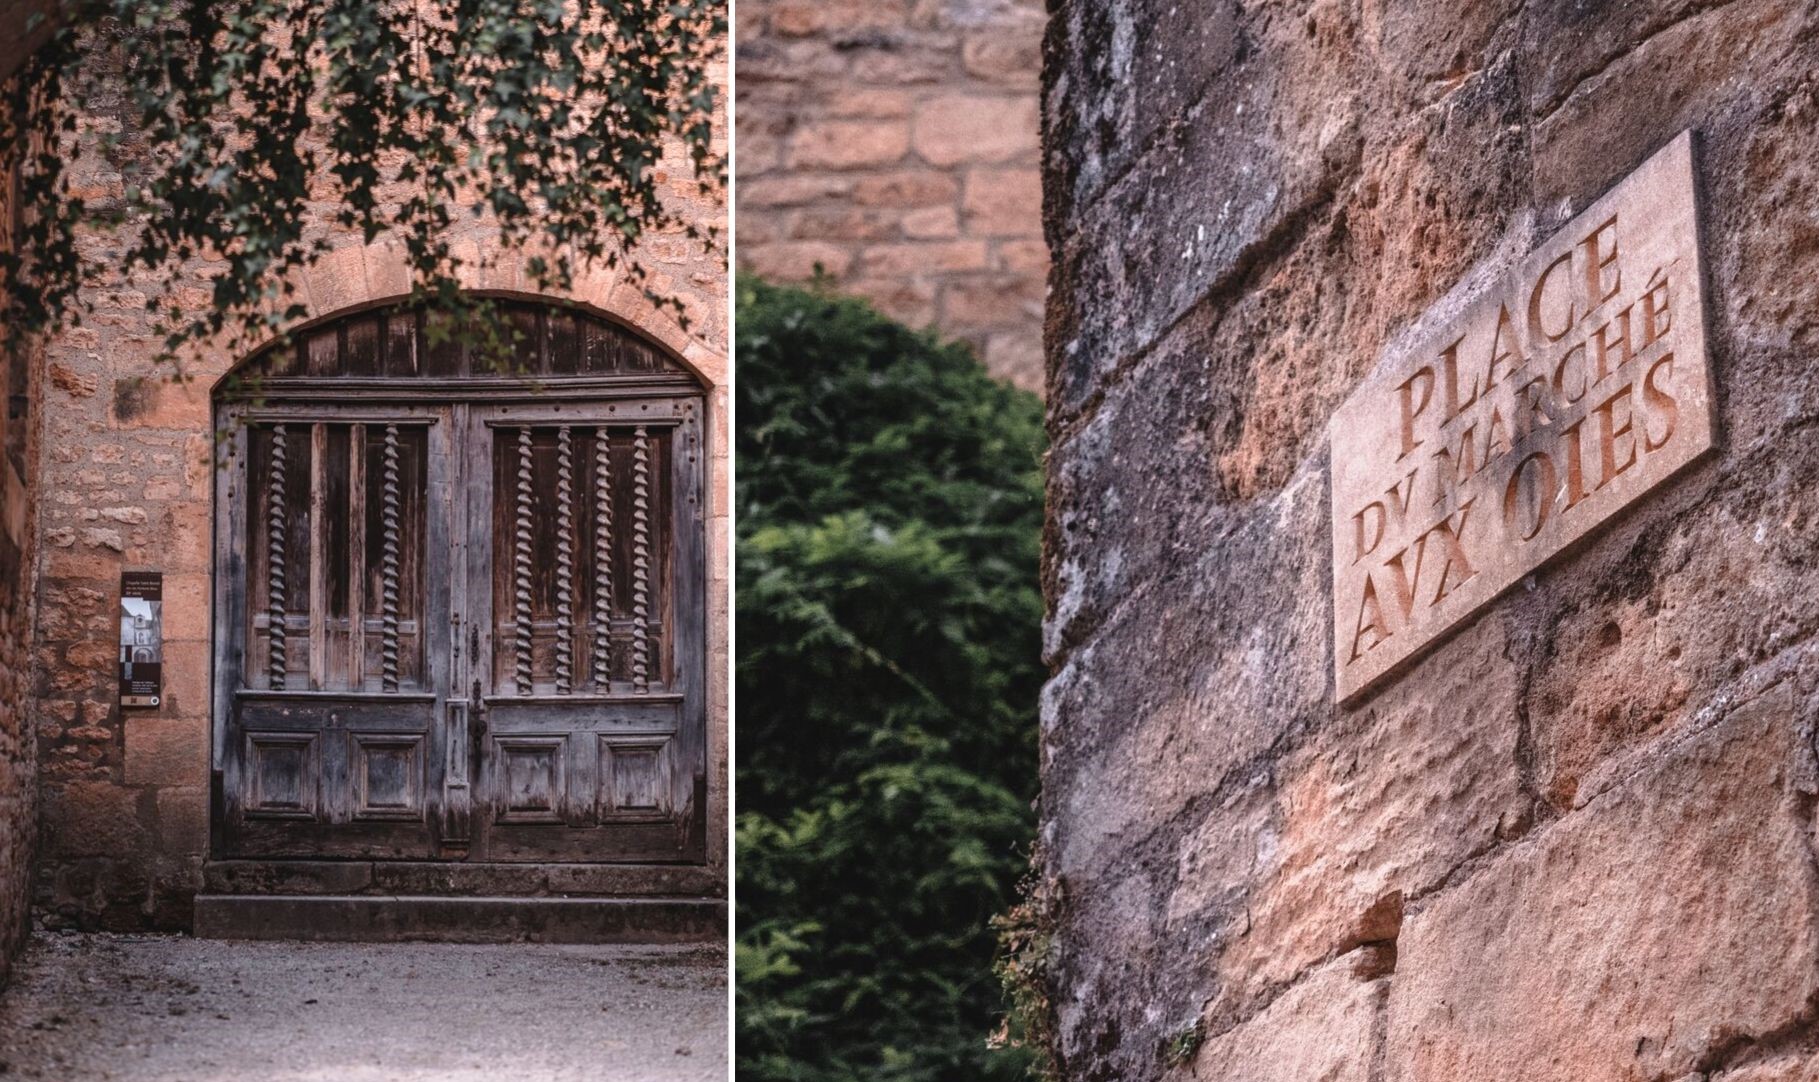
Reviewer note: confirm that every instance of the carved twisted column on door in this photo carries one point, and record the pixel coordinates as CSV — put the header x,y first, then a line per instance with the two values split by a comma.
x,y
641,560
603,560
522,639
388,583
277,660
565,561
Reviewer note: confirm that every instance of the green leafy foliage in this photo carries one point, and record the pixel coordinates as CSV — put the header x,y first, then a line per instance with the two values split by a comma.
x,y
889,506
544,118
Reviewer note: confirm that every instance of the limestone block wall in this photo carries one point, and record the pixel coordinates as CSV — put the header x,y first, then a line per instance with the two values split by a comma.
x,y
1575,841
127,473
893,144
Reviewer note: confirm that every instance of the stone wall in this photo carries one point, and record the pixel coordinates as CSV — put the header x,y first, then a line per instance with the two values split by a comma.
x,y
18,751
1575,840
127,469
893,144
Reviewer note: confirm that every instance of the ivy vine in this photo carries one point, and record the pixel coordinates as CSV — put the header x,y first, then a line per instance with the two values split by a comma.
x,y
546,119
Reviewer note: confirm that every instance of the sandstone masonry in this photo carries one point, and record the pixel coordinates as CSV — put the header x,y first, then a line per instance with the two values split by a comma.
x,y
1573,841
893,145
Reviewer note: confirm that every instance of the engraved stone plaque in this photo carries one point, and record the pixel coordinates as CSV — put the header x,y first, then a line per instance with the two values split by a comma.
x,y
1573,385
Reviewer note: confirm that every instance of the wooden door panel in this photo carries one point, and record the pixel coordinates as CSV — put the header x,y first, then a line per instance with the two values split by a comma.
x,y
333,747
581,579
465,630
588,553
331,775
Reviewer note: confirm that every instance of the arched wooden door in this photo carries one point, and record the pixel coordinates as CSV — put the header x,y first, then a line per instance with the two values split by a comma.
x,y
461,615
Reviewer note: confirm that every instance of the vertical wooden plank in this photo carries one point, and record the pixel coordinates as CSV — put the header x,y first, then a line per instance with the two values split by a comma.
x,y
689,604
356,558
318,557
388,584
439,614
481,545
565,560
603,560
233,473
641,560
521,568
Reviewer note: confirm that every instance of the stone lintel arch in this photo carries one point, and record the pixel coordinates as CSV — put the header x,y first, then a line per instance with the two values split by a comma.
x,y
385,346
357,276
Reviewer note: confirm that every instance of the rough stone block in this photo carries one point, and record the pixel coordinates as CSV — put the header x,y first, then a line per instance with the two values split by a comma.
x,y
166,751
910,188
1110,95
985,303
1010,54
792,190
92,818
186,671
1172,694
186,607
1603,108
1382,805
907,301
841,224
183,822
929,257
1658,923
795,261
1004,202
1788,1067
961,128
849,144
931,223
1322,1029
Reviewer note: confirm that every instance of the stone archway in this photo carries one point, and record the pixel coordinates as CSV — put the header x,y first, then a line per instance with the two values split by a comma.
x,y
460,615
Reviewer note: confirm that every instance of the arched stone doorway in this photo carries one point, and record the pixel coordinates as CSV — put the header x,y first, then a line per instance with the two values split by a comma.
x,y
460,613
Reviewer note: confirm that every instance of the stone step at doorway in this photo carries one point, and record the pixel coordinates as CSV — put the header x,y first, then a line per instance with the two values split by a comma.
x,y
394,901
372,918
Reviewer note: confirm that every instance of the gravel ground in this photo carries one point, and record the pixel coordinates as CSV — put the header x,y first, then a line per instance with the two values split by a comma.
x,y
175,1009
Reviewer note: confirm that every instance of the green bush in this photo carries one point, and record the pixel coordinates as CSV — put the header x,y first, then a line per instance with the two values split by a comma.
x,y
889,509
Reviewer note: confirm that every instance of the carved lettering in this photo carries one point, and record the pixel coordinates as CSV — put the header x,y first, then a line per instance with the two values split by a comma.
x,y
1530,494
1370,620
1564,391
1412,409
1454,467
1657,312
1560,391
1449,368
1504,351
1603,342
1660,402
1537,297
1596,291
1614,455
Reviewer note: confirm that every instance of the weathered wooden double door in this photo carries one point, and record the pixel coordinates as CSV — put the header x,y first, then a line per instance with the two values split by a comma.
x,y
466,623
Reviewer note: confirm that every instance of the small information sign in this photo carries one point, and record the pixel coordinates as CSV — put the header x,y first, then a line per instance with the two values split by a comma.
x,y
141,638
